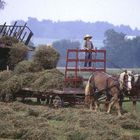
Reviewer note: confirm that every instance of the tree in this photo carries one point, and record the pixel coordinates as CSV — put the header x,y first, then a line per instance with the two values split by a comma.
x,y
121,52
2,4
62,46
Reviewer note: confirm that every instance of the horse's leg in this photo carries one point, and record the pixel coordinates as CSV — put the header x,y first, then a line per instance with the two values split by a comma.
x,y
117,105
134,106
110,105
87,101
96,105
121,101
91,102
114,101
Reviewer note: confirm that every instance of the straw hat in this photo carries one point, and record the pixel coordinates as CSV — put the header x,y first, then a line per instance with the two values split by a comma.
x,y
87,36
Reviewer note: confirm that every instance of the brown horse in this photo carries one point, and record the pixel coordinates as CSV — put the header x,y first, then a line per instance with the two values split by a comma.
x,y
100,83
130,86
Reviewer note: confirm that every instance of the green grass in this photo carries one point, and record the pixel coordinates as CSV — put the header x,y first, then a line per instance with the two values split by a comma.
x,y
128,106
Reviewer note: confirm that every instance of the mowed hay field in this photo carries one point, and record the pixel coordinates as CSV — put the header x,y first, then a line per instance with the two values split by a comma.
x,y
40,122
36,122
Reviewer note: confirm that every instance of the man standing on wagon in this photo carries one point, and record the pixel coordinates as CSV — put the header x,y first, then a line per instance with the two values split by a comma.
x,y
88,45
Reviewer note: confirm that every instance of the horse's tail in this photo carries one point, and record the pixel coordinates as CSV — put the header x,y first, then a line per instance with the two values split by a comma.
x,y
88,86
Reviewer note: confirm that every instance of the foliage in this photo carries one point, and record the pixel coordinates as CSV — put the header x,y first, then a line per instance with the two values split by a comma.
x,y
62,46
46,56
17,53
27,66
74,29
121,52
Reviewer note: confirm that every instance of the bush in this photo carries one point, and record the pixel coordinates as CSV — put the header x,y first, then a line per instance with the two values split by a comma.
x,y
46,56
27,66
17,53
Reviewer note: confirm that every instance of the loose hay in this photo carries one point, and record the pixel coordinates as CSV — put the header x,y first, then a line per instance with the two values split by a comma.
x,y
38,81
64,123
27,66
46,56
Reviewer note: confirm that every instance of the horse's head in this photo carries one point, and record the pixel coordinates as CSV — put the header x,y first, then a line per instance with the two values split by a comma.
x,y
128,80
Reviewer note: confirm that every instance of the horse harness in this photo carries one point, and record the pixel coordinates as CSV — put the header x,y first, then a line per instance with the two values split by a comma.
x,y
106,90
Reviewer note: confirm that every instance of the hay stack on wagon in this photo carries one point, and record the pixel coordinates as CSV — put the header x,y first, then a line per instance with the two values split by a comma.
x,y
38,74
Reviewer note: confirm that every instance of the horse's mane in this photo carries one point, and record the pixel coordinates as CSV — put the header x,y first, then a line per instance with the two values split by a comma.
x,y
137,79
121,78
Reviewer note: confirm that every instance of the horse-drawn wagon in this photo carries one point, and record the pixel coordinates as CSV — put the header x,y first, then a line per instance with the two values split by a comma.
x,y
75,77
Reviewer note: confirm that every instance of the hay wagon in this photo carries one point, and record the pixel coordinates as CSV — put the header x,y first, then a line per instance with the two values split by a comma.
x,y
76,76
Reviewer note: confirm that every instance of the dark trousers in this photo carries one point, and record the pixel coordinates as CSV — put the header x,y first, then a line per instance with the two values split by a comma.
x,y
88,56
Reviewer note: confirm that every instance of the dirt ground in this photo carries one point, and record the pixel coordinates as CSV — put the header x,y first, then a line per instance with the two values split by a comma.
x,y
38,122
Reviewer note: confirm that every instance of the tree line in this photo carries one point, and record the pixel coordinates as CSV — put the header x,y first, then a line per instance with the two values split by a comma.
x,y
73,29
121,52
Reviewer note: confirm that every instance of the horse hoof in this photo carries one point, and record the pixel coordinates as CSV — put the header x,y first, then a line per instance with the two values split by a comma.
x,y
108,112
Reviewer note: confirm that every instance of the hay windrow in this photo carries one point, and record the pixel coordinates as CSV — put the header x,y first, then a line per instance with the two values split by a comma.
x,y
22,121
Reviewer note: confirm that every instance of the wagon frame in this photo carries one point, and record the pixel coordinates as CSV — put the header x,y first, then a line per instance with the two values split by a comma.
x,y
72,95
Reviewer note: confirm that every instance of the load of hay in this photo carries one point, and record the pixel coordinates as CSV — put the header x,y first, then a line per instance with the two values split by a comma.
x,y
46,56
39,81
27,66
18,52
6,41
43,81
12,52
35,74
39,74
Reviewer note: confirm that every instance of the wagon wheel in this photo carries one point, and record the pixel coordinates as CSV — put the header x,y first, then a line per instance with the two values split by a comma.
x,y
9,97
56,101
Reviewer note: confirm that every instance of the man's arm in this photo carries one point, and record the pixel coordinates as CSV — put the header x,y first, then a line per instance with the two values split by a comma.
x,y
92,46
85,45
